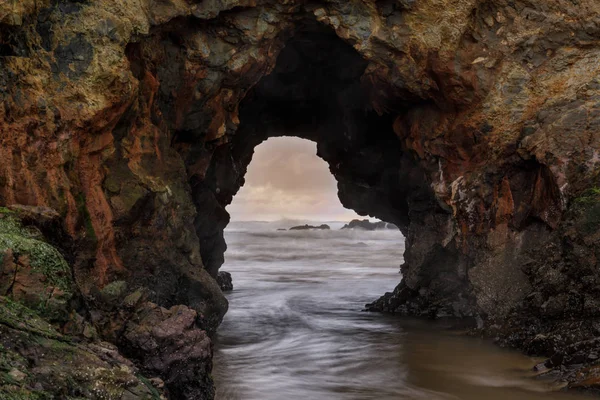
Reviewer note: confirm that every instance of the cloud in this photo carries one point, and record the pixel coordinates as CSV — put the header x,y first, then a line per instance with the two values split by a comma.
x,y
286,179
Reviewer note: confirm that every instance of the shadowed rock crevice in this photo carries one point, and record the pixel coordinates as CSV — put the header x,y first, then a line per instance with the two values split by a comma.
x,y
14,41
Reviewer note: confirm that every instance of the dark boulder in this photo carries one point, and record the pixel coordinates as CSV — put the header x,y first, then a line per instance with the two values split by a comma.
x,y
168,343
367,225
225,281
307,227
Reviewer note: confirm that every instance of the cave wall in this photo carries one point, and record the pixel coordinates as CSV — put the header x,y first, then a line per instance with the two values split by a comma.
x,y
472,125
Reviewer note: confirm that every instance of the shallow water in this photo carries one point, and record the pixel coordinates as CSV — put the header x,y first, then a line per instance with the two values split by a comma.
x,y
295,329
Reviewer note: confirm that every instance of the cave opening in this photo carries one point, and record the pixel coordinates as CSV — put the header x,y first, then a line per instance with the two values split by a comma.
x,y
314,92
226,94
287,182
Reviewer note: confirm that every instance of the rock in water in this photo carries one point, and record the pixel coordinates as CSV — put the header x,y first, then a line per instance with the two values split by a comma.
x,y
225,281
367,225
309,227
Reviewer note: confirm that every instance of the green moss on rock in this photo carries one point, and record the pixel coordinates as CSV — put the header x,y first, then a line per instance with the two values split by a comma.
x,y
40,277
38,363
115,289
17,316
44,258
18,393
114,292
590,196
587,208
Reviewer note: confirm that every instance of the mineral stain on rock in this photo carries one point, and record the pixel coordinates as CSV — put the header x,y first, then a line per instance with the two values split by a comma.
x,y
136,121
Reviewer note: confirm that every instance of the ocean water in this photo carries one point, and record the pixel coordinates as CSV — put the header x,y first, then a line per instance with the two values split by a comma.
x,y
295,329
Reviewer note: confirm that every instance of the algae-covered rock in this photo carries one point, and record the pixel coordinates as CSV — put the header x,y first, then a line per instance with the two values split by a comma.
x,y
31,270
38,363
114,291
587,209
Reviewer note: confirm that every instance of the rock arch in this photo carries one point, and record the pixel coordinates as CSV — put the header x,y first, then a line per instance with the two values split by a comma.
x,y
136,122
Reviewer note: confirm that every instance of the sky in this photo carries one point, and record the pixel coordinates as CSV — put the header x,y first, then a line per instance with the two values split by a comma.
x,y
286,180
